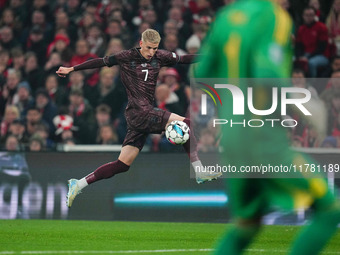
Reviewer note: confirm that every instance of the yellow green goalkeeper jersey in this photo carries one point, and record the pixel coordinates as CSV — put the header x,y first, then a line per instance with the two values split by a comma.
x,y
244,43
249,39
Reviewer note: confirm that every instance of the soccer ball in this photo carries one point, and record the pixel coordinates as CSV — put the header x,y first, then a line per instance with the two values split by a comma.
x,y
177,132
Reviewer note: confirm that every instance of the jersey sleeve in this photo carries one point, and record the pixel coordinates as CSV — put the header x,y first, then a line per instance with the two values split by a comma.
x,y
168,58
116,59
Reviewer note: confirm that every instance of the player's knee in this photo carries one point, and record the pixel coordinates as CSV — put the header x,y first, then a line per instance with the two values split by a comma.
x,y
173,117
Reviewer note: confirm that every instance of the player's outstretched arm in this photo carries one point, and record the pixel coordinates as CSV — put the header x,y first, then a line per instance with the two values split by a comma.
x,y
90,64
63,71
188,59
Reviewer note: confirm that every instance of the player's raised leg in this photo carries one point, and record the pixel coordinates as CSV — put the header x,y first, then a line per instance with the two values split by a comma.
x,y
122,164
191,149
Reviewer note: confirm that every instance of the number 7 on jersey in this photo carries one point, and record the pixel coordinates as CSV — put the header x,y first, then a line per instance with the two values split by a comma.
x,y
146,71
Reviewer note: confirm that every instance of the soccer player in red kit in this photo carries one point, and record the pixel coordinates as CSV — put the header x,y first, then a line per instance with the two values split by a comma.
x,y
139,70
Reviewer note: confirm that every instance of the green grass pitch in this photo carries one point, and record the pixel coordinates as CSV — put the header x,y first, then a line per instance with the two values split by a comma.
x,y
104,237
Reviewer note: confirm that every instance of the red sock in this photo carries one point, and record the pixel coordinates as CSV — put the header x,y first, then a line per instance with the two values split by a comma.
x,y
192,152
107,171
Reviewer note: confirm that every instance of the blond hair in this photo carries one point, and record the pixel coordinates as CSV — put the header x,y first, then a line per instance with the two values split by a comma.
x,y
151,35
11,108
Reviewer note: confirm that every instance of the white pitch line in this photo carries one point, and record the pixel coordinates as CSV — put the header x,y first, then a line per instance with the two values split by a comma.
x,y
106,252
142,251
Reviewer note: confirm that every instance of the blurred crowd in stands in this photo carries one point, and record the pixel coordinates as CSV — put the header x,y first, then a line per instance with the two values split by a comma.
x,y
40,111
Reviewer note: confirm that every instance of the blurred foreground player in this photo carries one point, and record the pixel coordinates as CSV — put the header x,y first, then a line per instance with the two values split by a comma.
x,y
139,71
251,39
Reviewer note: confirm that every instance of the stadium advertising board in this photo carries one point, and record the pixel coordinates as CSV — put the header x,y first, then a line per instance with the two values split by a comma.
x,y
148,191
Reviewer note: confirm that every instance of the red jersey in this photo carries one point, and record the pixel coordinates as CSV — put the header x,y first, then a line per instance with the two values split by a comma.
x,y
310,35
